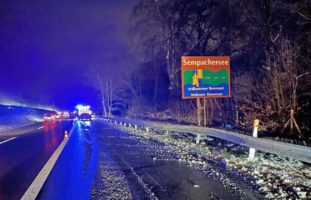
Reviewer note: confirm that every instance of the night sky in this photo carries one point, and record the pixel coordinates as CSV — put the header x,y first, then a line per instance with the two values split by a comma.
x,y
48,46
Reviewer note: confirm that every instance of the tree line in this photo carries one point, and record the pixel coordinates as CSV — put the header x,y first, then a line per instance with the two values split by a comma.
x,y
268,44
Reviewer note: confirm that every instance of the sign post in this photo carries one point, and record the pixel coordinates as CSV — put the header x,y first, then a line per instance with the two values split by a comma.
x,y
205,77
204,112
199,111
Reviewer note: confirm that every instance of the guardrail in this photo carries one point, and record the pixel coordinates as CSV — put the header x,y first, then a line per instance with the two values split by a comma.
x,y
293,151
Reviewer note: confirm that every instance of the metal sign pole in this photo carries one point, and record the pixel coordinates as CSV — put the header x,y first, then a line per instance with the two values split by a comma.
x,y
199,111
201,77
204,112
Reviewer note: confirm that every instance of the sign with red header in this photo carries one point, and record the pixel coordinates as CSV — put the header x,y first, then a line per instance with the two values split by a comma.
x,y
205,77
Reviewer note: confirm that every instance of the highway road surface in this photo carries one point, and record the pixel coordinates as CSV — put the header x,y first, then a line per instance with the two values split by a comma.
x,y
102,162
23,152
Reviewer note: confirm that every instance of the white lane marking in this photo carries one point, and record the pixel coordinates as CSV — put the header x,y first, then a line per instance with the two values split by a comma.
x,y
8,140
35,187
41,127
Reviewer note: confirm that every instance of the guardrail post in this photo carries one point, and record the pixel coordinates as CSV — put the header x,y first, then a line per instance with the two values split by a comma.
x,y
136,127
198,139
147,129
115,122
130,125
252,151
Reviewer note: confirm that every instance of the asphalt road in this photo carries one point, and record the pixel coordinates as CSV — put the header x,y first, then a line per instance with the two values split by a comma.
x,y
101,162
23,152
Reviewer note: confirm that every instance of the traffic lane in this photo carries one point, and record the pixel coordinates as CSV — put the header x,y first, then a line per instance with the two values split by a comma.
x,y
22,158
20,131
73,173
2,141
12,149
8,135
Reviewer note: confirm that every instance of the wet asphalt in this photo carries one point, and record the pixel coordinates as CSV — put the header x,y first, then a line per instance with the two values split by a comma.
x,y
101,162
23,157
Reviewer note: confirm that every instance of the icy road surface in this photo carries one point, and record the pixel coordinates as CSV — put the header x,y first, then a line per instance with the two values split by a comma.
x,y
102,162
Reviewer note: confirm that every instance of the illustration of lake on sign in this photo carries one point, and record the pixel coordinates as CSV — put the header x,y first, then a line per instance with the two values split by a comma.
x,y
202,82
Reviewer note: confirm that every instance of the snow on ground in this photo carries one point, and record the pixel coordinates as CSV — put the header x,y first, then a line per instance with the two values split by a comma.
x,y
272,176
144,185
110,182
15,116
297,152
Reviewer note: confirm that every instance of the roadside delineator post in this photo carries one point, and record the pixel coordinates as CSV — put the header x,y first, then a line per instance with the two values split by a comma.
x,y
66,135
255,130
198,139
166,133
136,127
252,151
147,129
